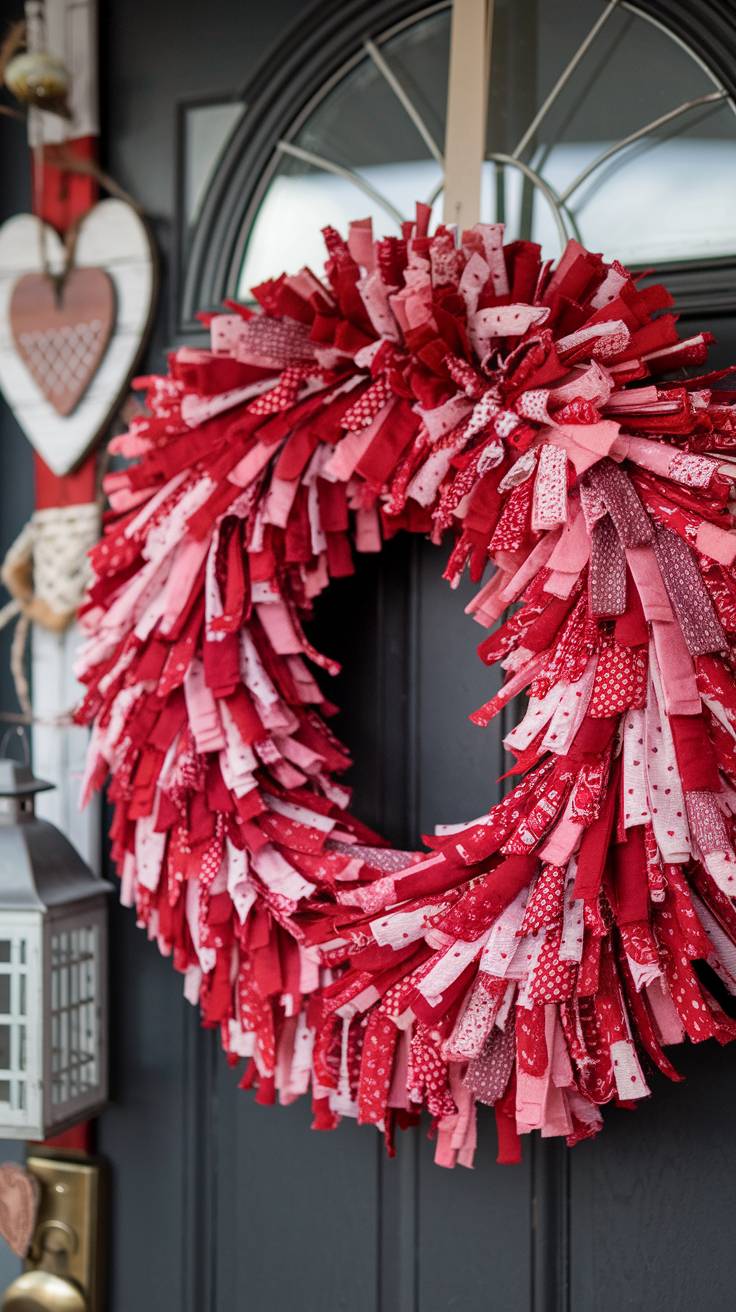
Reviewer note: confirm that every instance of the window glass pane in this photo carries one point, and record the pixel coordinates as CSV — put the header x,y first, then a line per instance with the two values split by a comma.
x,y
4,949
633,205
4,1047
359,125
4,994
207,130
74,1031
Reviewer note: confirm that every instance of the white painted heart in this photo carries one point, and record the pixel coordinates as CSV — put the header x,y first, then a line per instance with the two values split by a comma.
x,y
111,237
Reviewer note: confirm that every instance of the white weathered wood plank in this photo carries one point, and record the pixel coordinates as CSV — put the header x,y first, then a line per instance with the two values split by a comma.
x,y
68,30
115,238
59,752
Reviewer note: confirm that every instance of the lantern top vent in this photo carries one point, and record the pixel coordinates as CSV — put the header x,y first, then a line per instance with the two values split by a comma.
x,y
40,870
18,784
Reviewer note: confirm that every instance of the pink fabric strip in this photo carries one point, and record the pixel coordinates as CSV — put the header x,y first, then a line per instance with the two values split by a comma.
x,y
181,578
681,696
266,341
564,839
585,444
603,328
367,529
489,602
360,243
279,500
202,712
634,399
539,555
540,1101
457,1135
473,279
276,620
652,593
660,458
572,548
251,465
666,1019
350,448
716,543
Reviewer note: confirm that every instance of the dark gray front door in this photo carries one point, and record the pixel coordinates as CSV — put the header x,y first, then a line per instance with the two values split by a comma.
x,y
218,1204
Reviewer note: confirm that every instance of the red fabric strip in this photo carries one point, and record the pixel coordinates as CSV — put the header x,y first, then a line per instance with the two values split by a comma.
x,y
696,760
595,844
630,878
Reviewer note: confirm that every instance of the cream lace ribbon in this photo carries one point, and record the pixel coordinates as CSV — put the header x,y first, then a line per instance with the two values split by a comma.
x,y
46,571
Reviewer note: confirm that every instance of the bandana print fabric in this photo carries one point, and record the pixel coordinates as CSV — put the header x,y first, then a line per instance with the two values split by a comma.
x,y
533,956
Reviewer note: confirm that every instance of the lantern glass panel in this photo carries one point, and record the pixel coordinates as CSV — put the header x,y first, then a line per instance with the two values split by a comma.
x,y
74,1020
13,1021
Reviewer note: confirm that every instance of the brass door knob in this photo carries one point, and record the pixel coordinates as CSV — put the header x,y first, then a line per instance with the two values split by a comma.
x,y
48,1288
42,1291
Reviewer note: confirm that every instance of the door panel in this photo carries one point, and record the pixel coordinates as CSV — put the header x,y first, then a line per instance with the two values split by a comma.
x,y
298,1211
646,1198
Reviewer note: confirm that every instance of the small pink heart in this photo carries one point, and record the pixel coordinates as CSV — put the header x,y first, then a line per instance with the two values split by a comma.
x,y
19,1199
62,333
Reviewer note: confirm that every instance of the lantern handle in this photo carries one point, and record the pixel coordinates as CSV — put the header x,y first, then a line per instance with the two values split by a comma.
x,y
19,731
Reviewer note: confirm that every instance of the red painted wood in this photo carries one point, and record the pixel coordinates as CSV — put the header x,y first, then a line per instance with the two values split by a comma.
x,y
77,1139
61,197
73,489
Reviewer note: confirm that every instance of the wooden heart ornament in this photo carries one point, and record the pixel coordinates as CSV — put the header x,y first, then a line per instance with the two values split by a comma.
x,y
19,1198
69,347
61,331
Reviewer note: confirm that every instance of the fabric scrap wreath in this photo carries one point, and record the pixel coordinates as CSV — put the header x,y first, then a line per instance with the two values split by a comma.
x,y
541,955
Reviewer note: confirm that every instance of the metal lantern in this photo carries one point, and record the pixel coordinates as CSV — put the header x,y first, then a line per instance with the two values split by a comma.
x,y
53,970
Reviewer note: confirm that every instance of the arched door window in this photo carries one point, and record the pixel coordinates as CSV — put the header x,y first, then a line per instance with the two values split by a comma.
x,y
608,122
